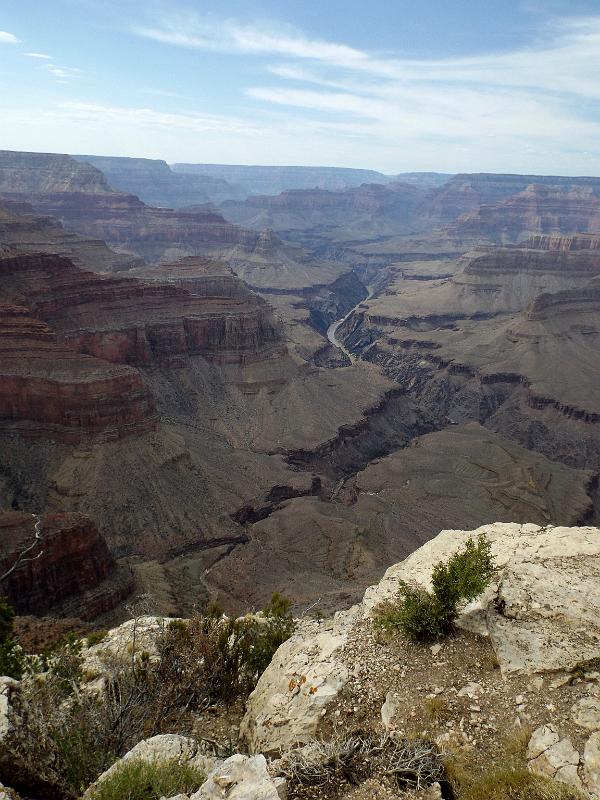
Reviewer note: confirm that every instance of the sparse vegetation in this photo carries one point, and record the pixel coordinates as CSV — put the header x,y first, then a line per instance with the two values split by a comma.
x,y
424,616
354,758
142,780
517,785
72,732
437,709
12,661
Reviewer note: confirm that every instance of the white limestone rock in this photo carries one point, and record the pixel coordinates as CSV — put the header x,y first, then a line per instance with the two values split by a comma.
x,y
553,756
241,778
541,611
591,765
304,676
131,639
586,713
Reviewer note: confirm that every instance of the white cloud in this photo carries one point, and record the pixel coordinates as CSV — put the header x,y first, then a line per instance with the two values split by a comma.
x,y
39,55
532,109
62,74
8,38
191,30
148,118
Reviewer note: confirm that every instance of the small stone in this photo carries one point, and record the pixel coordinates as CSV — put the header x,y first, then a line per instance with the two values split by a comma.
x,y
586,713
471,690
541,739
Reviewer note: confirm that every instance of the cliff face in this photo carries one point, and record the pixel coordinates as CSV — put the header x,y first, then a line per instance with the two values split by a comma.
x,y
126,321
578,241
155,183
202,276
49,389
538,209
75,575
272,180
466,192
371,206
24,231
48,172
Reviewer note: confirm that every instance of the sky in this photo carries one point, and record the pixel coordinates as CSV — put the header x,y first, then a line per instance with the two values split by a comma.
x,y
392,85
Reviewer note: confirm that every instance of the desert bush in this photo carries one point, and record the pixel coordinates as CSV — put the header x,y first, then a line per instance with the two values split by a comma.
x,y
142,780
356,757
72,733
423,616
12,660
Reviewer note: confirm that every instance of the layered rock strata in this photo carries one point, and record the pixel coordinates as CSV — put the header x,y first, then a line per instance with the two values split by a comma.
x,y
69,573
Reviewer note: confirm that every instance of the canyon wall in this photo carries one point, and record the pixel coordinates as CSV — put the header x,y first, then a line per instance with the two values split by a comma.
x,y
71,573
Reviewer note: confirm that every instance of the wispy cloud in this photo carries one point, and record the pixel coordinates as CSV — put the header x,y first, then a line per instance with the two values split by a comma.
x,y
38,55
531,102
148,118
192,30
8,38
62,74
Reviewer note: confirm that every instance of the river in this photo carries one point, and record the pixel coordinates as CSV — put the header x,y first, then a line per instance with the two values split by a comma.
x,y
332,329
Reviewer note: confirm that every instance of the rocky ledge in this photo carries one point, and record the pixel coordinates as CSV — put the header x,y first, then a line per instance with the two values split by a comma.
x,y
537,623
518,677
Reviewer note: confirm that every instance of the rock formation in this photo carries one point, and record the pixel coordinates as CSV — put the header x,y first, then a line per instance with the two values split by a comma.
x,y
371,208
272,180
536,620
466,192
50,389
155,183
24,231
131,322
70,573
539,209
25,173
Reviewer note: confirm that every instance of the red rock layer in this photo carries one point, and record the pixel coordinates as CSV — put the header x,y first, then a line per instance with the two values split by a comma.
x,y
47,388
75,573
127,321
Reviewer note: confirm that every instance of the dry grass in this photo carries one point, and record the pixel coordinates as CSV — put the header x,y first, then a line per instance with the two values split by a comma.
x,y
437,710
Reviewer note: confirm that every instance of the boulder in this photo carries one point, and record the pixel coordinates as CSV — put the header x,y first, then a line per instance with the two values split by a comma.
x,y
553,756
241,778
163,747
132,638
541,612
304,676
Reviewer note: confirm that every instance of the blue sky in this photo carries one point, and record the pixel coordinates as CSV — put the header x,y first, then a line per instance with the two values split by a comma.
x,y
447,85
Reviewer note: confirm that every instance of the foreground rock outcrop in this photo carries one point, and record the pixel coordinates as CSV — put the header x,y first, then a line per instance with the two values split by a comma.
x,y
540,614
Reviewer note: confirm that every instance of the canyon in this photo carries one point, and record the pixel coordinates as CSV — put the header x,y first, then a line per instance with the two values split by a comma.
x,y
290,392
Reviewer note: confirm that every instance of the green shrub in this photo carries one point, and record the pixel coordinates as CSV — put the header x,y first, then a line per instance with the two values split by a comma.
x,y
142,780
95,637
12,660
423,616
